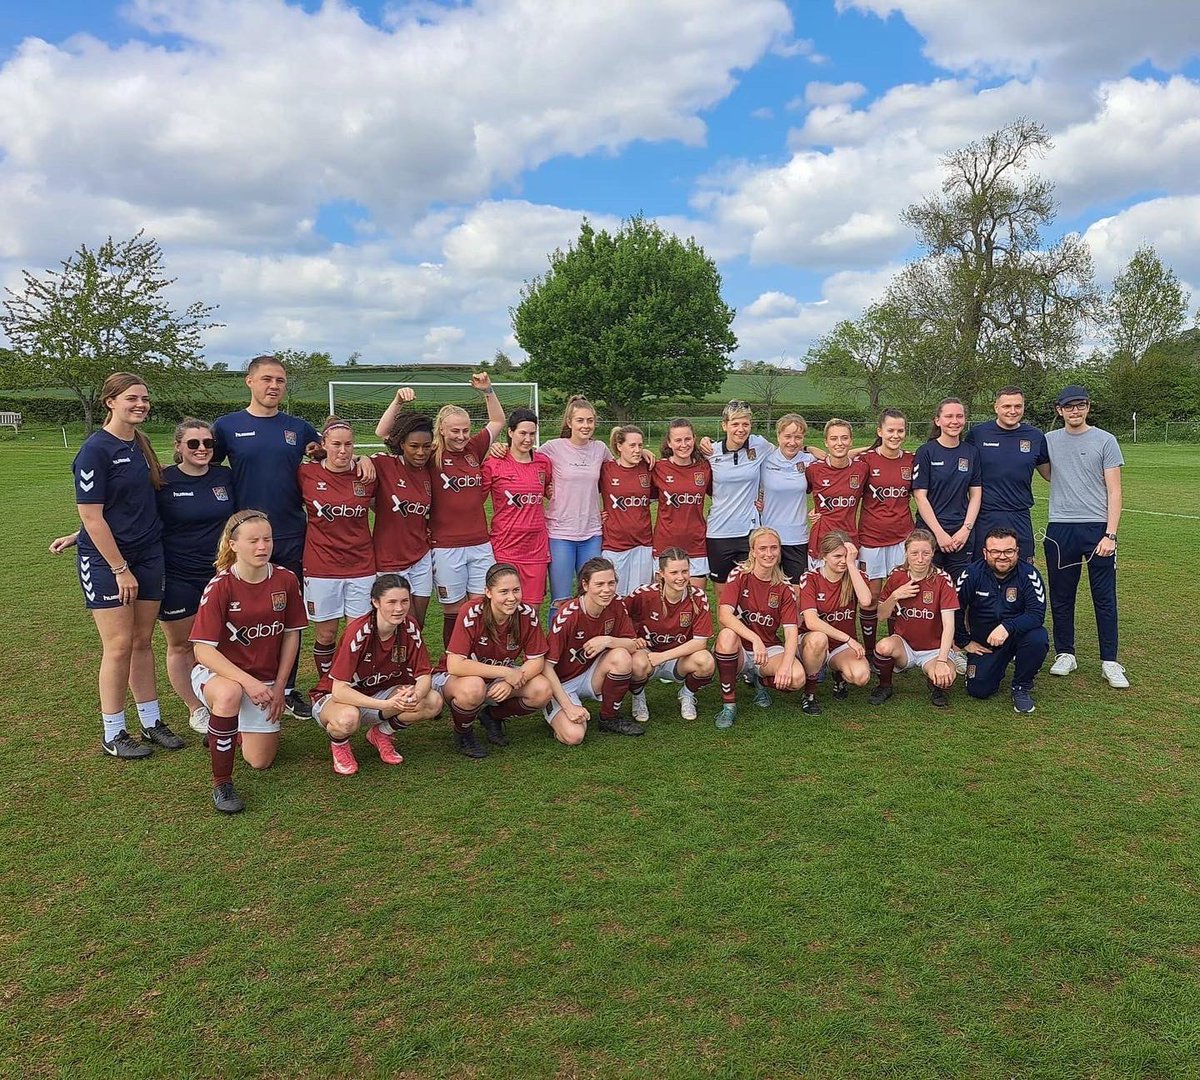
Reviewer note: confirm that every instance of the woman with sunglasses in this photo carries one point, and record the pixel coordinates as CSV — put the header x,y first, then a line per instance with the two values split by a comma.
x,y
193,503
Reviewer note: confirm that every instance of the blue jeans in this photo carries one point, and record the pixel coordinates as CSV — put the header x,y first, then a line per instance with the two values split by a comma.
x,y
566,557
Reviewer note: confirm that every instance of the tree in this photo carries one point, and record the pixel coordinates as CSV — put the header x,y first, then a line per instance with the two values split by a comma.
x,y
1147,304
307,372
766,383
502,364
1005,308
106,310
626,317
353,359
220,366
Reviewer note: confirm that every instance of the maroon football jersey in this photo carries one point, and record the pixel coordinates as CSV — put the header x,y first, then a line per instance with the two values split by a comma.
x,y
667,626
762,606
681,490
573,628
402,498
886,516
625,497
368,663
919,618
245,621
337,540
836,494
456,518
817,591
520,637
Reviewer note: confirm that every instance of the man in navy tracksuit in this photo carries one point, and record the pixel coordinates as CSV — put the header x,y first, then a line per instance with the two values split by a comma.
x,y
1001,619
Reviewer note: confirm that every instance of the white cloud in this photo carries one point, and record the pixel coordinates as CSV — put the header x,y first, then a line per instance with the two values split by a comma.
x,y
1171,225
1086,37
824,93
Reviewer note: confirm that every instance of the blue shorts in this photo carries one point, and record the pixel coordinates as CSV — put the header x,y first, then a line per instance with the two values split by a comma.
x,y
99,584
181,597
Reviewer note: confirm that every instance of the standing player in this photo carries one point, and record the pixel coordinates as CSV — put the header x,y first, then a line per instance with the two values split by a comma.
x,y
494,662
246,636
681,479
380,677
673,618
828,599
947,487
403,494
265,448
885,518
1001,619
837,484
919,602
1085,510
339,554
592,642
519,484
625,494
756,603
736,463
458,526
1010,451
120,562
784,482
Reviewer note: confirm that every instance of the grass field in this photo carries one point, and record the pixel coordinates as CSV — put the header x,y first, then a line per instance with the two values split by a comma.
x,y
898,892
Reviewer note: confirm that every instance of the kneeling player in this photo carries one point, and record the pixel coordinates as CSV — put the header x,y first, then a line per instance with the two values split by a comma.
x,y
484,673
756,602
920,602
829,599
380,678
672,617
592,643
246,636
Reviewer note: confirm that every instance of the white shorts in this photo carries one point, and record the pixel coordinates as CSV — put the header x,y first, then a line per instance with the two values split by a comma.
x,y
667,672
881,561
749,667
369,717
578,689
634,567
458,571
326,599
439,681
917,658
836,651
698,566
420,575
251,718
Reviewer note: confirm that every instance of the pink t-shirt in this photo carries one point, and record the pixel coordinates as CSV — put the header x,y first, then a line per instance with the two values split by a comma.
x,y
573,512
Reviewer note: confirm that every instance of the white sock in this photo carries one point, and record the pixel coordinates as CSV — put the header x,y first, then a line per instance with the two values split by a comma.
x,y
385,728
114,724
148,714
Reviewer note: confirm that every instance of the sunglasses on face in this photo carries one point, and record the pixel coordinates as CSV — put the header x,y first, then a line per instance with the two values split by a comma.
x,y
196,444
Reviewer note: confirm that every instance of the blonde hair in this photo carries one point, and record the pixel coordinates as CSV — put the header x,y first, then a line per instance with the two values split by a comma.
x,y
114,386
788,419
619,434
835,538
915,537
837,421
185,425
778,577
574,404
735,409
439,440
225,556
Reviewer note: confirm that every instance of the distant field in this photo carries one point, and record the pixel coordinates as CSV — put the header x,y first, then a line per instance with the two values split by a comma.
x,y
868,894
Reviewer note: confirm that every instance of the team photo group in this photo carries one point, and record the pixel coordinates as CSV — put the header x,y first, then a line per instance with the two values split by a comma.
x,y
264,527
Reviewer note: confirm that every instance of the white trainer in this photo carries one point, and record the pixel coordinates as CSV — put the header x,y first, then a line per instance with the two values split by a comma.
x,y
1064,664
1115,674
687,703
641,711
198,720
959,659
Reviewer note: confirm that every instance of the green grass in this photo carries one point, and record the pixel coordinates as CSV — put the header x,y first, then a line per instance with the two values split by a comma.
x,y
899,892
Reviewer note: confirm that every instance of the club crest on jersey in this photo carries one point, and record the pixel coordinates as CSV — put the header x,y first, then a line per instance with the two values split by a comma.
x,y
773,601
608,625
1026,446
289,437
963,464
970,671
799,466
854,482
471,460
751,453
905,473
685,618
927,597
698,479
1010,595
220,494
645,480
360,490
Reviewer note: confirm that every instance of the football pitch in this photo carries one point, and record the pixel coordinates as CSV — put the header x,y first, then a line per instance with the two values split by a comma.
x,y
888,892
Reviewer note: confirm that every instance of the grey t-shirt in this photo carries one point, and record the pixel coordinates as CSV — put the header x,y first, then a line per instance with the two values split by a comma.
x,y
1077,464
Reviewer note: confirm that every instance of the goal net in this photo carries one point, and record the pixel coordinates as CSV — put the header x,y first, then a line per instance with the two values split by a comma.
x,y
363,403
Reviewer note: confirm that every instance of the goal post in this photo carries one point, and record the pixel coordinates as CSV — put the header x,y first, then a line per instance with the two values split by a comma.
x,y
363,403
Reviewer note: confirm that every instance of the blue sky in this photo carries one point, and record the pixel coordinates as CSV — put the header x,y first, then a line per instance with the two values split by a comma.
x,y
382,178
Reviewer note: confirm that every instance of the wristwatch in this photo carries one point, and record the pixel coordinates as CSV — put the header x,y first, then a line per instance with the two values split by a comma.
x,y
1111,536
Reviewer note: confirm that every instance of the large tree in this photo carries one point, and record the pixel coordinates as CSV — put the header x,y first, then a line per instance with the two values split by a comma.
x,y
1005,306
1147,304
308,373
627,316
105,310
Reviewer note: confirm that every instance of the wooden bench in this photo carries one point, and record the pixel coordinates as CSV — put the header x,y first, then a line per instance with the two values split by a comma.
x,y
11,419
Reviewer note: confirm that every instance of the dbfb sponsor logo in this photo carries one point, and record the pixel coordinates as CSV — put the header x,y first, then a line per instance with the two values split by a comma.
x,y
893,492
666,639
518,499
838,502
628,502
333,511
758,618
376,679
841,615
461,483
243,635
903,612
406,508
683,498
